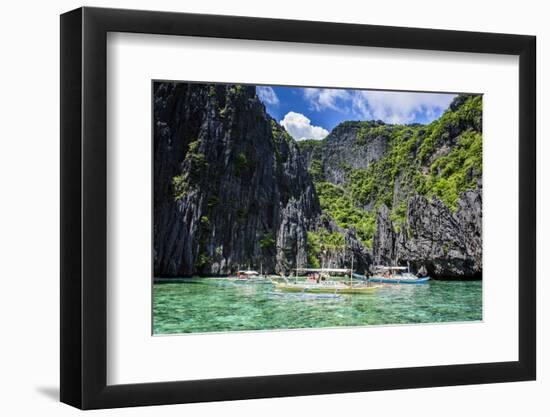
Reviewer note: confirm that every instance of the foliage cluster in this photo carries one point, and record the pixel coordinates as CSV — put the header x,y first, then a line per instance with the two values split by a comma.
x,y
267,242
370,130
338,204
241,163
456,172
464,113
196,163
322,242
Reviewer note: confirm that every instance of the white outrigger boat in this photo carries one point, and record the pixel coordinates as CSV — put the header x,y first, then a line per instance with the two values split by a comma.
x,y
396,275
245,274
249,276
321,280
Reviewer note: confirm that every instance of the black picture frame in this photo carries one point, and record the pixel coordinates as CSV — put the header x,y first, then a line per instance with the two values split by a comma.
x,y
84,207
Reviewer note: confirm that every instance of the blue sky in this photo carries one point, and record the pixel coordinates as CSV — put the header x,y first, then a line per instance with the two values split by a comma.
x,y
313,112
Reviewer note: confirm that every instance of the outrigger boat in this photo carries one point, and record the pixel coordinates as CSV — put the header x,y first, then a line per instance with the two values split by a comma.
x,y
396,275
320,281
245,274
250,276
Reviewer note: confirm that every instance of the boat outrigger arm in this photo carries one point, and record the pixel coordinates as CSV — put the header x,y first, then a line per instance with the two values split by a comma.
x,y
391,268
396,275
327,270
328,286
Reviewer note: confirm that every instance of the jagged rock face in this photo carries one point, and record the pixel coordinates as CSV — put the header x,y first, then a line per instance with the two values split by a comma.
x,y
469,216
344,150
403,161
445,244
362,259
291,238
354,254
231,189
383,242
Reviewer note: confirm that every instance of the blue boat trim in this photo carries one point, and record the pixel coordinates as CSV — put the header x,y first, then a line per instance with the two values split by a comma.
x,y
422,280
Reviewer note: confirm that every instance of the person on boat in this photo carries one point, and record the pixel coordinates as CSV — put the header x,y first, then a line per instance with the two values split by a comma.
x,y
422,272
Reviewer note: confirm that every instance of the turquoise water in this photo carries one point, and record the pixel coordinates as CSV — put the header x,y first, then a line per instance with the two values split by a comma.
x,y
216,305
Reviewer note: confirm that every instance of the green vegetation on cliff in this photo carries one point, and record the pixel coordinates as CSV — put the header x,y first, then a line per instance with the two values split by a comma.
x,y
338,204
197,163
455,172
442,159
267,242
323,242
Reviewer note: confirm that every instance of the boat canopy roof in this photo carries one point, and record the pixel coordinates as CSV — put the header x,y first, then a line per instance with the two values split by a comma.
x,y
391,268
335,270
248,272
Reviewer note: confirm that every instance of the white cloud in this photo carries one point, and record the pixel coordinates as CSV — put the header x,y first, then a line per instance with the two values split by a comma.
x,y
300,127
267,95
360,107
389,106
326,98
398,107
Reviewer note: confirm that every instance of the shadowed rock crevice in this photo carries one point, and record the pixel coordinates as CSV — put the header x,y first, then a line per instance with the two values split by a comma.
x,y
433,238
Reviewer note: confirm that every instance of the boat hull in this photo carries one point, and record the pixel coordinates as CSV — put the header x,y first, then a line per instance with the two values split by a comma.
x,y
422,280
324,289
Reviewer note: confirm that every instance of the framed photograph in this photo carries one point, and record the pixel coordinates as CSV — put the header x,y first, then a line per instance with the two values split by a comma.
x,y
256,208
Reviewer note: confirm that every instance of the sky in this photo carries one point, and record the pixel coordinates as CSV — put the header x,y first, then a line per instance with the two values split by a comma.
x,y
311,113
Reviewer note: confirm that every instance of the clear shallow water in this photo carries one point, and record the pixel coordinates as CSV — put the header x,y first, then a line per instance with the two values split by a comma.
x,y
214,305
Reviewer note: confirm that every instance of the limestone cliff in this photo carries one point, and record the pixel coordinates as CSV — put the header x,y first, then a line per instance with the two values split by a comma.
x,y
231,189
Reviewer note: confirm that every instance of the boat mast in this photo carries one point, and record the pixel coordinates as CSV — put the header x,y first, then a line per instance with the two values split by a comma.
x,y
296,259
351,271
